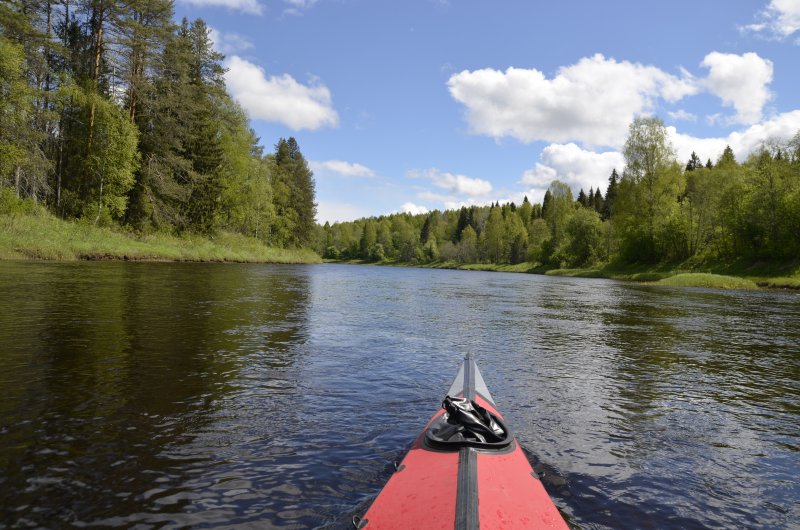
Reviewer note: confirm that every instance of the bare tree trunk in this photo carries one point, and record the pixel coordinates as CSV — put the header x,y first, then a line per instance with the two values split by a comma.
x,y
16,180
100,200
60,165
98,54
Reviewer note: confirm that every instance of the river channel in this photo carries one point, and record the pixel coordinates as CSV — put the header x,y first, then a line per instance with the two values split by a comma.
x,y
163,395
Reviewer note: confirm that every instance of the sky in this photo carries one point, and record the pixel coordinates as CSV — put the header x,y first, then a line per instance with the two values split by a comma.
x,y
434,104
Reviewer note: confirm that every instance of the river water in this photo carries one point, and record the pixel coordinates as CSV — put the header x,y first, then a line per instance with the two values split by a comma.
x,y
156,395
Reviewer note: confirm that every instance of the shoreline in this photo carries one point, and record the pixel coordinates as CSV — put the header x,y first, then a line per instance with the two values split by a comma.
x,y
44,237
722,275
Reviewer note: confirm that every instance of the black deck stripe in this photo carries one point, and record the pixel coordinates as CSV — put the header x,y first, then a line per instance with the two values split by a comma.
x,y
467,491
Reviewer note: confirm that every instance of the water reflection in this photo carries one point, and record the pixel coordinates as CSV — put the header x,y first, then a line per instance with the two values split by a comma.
x,y
174,395
113,372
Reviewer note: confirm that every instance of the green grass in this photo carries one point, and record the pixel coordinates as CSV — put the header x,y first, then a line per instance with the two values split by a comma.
x,y
739,274
704,279
39,235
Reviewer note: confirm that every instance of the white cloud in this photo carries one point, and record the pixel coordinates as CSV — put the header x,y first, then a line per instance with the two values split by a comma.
x,y
298,7
581,168
577,167
454,183
741,81
781,19
782,128
336,212
682,115
229,43
414,209
279,98
343,168
592,101
246,6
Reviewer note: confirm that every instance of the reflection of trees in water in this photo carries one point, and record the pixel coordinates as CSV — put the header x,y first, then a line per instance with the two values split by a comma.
x,y
118,364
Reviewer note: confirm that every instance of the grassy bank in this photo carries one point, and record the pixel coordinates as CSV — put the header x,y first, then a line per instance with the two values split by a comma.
x,y
39,235
740,274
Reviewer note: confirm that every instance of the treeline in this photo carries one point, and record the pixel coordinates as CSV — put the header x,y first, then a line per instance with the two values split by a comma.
x,y
658,210
112,113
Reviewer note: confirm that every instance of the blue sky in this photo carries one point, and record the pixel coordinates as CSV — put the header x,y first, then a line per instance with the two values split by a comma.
x,y
421,105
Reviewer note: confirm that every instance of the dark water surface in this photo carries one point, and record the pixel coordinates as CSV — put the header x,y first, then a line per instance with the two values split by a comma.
x,y
153,395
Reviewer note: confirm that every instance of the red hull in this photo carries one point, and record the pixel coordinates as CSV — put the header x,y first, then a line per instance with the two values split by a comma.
x,y
424,492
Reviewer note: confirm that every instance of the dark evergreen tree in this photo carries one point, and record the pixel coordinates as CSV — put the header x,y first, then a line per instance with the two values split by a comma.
x,y
546,204
463,222
611,194
293,192
727,159
582,200
425,233
694,162
599,205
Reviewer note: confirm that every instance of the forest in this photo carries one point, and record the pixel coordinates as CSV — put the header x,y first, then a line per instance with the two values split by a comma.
x,y
114,115
658,210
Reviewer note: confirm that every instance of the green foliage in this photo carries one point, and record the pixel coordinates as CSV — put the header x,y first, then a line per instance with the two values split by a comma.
x,y
116,115
648,191
657,213
585,238
293,196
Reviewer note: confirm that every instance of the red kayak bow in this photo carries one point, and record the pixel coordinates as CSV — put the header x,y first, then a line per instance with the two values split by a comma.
x,y
466,470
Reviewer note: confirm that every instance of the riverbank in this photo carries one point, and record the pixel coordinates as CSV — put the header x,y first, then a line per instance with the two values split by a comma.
x,y
38,235
740,274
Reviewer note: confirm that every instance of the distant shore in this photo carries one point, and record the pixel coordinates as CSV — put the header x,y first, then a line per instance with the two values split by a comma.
x,y
41,236
734,275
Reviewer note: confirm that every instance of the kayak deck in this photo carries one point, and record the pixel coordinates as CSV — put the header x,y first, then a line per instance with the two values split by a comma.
x,y
467,487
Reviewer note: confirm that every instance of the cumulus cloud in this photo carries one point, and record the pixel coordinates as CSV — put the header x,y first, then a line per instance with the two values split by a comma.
x,y
246,6
740,81
279,98
337,212
454,183
592,101
346,169
781,128
229,43
413,209
780,19
580,168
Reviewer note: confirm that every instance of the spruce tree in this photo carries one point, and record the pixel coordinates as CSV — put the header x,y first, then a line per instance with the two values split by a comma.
x,y
582,200
599,204
694,162
611,194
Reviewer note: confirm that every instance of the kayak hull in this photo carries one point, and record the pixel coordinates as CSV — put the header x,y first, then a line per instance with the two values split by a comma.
x,y
464,488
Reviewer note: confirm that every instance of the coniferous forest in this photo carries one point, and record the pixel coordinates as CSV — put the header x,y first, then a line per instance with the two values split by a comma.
x,y
113,114
658,210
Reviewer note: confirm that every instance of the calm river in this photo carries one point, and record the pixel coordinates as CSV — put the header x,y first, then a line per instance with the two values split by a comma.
x,y
154,395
